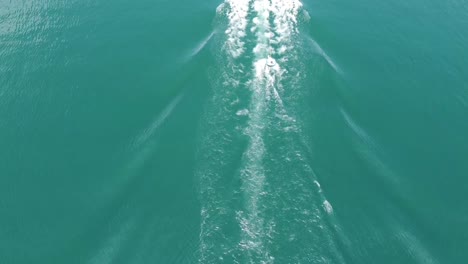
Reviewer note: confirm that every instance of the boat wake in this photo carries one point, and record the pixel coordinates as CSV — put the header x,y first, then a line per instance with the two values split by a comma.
x,y
258,192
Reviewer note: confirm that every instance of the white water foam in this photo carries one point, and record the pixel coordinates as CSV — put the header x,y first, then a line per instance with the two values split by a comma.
x,y
274,25
237,15
252,175
285,28
243,112
327,206
268,74
285,22
216,146
266,88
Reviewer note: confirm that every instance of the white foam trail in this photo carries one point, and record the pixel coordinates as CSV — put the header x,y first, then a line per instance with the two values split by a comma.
x,y
265,86
285,27
217,214
325,204
253,175
268,72
235,32
285,22
274,25
328,207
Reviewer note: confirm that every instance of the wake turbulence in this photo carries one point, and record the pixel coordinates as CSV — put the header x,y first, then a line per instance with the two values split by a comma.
x,y
261,201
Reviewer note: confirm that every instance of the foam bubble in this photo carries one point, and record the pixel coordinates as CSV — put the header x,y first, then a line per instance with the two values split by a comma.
x,y
328,207
243,112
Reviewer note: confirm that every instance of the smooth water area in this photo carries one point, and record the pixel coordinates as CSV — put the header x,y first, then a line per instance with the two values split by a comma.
x,y
244,131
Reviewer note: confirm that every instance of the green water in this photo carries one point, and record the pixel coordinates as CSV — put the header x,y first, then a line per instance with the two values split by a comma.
x,y
158,132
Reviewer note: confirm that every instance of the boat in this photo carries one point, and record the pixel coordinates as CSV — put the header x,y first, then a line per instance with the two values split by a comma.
x,y
270,62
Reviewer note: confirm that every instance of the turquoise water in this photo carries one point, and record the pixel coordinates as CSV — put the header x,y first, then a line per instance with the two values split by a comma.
x,y
261,131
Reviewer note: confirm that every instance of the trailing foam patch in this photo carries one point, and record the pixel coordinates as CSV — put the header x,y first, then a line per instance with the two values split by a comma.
x,y
237,15
285,22
242,229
